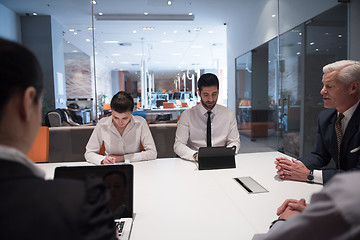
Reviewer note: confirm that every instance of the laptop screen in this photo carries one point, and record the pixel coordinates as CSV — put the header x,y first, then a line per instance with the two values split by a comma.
x,y
118,178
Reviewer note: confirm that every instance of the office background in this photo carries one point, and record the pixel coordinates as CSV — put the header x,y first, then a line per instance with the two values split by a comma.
x,y
254,48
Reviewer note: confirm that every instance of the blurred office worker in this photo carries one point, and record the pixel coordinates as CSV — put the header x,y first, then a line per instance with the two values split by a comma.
x,y
32,208
122,135
338,135
207,124
333,213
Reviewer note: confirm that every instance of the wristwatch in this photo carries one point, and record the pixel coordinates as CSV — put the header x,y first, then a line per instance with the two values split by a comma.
x,y
310,177
195,155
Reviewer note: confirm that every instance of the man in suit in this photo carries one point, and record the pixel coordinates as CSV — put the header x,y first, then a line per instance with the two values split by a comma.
x,y
333,213
338,135
30,206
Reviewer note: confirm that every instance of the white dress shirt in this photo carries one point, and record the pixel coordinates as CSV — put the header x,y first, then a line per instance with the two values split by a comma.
x,y
137,131
12,154
191,130
344,122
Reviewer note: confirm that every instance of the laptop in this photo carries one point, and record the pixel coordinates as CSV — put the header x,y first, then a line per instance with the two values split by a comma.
x,y
119,179
216,158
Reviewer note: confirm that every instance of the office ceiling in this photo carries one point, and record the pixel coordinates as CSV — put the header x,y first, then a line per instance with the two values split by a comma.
x,y
170,46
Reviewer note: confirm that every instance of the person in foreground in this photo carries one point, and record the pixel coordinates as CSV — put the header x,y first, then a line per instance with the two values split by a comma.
x,y
122,134
333,213
207,124
32,208
338,135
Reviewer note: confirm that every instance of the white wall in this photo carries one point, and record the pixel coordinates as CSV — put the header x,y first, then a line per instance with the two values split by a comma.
x,y
251,24
10,24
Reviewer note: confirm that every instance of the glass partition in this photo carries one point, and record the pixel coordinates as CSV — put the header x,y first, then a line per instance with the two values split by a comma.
x,y
285,101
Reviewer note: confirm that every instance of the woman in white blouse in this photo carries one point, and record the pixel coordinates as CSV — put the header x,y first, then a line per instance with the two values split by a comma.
x,y
122,133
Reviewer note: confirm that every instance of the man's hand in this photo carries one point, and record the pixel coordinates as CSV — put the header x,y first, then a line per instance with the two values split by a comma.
x,y
291,169
290,208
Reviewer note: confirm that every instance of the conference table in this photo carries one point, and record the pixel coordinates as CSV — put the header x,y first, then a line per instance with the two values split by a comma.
x,y
174,200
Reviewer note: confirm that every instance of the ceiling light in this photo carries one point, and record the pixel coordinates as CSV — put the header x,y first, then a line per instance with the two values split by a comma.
x,y
190,14
175,31
134,31
197,29
71,30
167,41
339,35
210,32
75,33
90,28
75,51
169,3
273,15
299,43
96,53
34,14
100,13
298,53
164,33
93,2
300,34
148,28
317,49
326,33
88,40
146,13
115,54
111,41
145,17
112,61
312,43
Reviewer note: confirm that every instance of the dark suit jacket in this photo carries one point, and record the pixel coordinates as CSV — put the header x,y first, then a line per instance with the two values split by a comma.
x,y
325,147
32,208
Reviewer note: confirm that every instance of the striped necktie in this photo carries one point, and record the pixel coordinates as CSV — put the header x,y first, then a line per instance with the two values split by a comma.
x,y
338,135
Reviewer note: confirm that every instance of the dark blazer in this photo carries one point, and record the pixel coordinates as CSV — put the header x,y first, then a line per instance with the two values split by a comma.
x,y
325,147
32,208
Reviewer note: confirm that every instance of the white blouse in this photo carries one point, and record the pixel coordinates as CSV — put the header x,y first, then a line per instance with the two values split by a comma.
x,y
137,131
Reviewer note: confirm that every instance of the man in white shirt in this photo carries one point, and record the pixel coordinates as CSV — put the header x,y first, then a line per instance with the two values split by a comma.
x,y
197,129
338,135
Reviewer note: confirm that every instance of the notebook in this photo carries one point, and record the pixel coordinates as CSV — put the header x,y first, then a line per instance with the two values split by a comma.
x,y
119,179
216,157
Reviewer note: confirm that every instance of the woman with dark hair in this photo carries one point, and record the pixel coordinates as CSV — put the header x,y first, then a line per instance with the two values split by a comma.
x,y
122,134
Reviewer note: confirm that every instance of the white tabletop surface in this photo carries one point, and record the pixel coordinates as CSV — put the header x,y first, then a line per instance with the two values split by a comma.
x,y
174,200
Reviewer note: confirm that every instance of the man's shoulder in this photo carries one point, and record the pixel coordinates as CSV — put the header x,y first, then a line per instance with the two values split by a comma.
x,y
327,114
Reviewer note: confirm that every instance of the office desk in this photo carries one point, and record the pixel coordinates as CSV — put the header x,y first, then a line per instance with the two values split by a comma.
x,y
174,200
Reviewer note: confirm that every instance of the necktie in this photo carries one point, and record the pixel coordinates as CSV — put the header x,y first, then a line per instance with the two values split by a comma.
x,y
208,130
338,135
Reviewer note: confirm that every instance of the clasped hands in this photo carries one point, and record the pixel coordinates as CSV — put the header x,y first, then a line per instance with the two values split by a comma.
x,y
113,159
290,208
291,169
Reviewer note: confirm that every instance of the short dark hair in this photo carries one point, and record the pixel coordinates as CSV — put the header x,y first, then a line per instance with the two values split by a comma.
x,y
122,102
207,80
19,69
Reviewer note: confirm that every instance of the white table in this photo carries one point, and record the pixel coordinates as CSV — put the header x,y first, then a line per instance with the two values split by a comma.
x,y
174,200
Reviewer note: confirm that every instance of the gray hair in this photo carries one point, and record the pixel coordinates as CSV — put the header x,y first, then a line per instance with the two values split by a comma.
x,y
349,71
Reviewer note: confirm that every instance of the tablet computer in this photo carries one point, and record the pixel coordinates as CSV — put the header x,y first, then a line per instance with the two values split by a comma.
x,y
216,157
